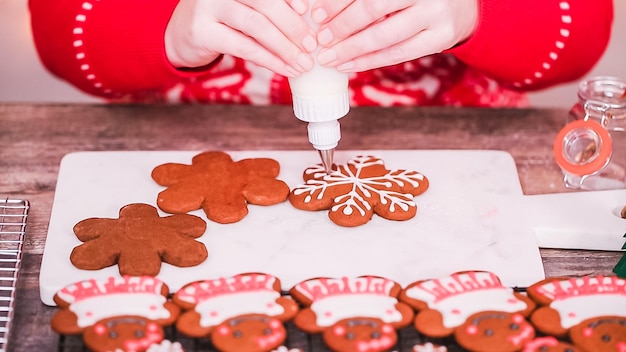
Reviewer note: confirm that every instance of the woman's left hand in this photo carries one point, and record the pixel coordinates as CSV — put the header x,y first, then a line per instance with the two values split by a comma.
x,y
358,35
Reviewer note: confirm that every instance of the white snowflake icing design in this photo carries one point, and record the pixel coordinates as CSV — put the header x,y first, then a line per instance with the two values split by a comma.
x,y
358,189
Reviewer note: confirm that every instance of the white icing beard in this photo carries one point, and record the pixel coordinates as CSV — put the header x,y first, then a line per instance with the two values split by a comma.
x,y
218,309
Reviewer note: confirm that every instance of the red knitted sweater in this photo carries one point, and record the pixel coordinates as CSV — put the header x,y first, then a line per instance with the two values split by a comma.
x,y
114,49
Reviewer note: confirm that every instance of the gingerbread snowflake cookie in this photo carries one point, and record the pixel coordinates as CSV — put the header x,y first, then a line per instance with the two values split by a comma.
x,y
115,314
590,310
223,188
353,314
139,241
245,312
353,192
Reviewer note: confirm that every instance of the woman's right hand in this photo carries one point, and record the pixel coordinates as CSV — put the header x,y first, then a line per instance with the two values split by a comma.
x,y
271,34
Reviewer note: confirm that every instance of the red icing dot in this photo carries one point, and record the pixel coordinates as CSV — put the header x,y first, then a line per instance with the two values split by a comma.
x,y
472,329
274,323
213,313
339,330
455,311
223,330
100,329
571,314
587,332
328,313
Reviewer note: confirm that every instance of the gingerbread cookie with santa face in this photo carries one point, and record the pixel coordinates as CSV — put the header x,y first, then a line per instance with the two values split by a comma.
x,y
494,331
472,306
549,344
590,310
245,312
116,314
352,314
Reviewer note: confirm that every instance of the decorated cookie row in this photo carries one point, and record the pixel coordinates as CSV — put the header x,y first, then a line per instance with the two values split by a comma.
x,y
247,312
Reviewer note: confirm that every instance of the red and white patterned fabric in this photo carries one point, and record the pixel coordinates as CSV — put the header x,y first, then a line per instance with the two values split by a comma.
x,y
114,49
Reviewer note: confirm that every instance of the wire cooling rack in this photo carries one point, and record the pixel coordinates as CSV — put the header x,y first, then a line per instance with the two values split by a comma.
x,y
13,215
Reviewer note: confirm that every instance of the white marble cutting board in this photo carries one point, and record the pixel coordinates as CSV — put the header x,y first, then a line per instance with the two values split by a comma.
x,y
470,218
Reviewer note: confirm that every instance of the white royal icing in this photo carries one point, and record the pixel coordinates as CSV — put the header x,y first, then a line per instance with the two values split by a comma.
x,y
577,299
460,295
220,308
334,308
429,347
147,305
353,201
576,309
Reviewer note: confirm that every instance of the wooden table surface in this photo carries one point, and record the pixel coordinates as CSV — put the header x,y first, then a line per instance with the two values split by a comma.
x,y
34,138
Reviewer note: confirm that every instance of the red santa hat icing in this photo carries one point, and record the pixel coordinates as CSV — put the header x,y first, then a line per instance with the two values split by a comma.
x,y
577,299
93,300
336,299
460,295
221,299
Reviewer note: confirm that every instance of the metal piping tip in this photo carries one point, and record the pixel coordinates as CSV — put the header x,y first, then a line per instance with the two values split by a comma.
x,y
327,159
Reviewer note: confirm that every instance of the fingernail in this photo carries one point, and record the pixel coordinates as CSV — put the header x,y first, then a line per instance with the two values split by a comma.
x,y
326,56
325,36
319,15
309,43
292,72
299,6
346,66
305,62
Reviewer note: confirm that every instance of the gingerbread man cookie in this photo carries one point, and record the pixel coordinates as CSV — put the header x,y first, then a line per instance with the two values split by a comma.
x,y
245,312
116,314
220,186
444,304
607,333
353,192
138,241
353,314
494,331
585,308
549,344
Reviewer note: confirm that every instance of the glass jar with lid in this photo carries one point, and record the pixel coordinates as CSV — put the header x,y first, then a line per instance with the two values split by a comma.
x,y
591,148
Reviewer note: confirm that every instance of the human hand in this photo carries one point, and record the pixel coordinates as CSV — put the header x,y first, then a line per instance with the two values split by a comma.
x,y
357,35
271,34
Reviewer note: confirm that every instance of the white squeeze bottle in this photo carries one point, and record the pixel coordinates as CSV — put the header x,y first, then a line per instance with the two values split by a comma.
x,y
320,97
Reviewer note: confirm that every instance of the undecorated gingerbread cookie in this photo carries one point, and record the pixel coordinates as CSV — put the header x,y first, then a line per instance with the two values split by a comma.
x,y
353,314
353,192
223,188
116,314
443,304
241,313
138,241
